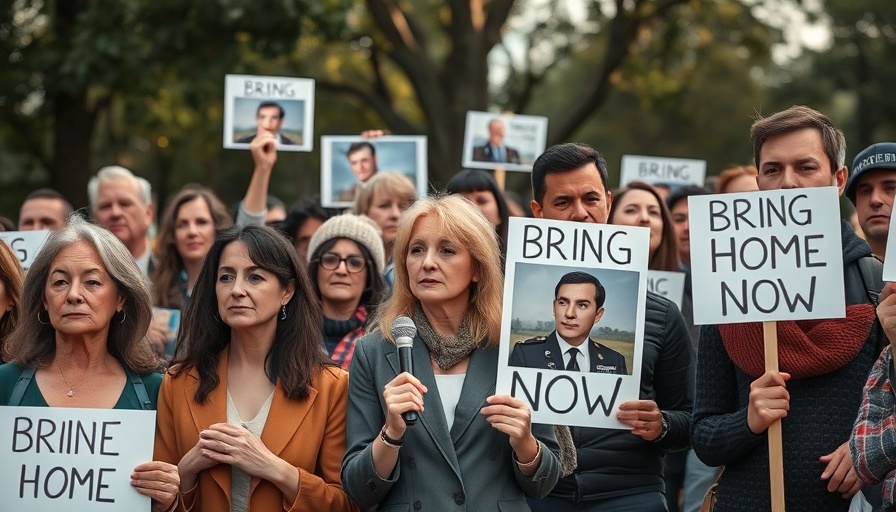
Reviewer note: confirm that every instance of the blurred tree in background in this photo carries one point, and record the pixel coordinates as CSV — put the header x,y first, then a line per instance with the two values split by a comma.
x,y
86,83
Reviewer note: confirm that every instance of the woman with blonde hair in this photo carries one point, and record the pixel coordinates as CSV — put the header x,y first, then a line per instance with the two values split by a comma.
x,y
449,281
740,178
384,198
12,280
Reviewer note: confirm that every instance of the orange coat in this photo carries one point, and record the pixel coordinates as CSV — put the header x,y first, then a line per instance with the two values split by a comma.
x,y
309,434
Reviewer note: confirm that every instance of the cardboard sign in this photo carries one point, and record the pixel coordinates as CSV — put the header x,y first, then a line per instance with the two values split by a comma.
x,y
764,256
662,170
342,173
281,106
501,141
57,458
578,260
26,244
668,284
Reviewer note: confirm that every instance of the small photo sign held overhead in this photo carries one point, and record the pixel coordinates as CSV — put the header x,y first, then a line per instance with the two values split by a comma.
x,y
347,162
657,170
503,141
766,256
59,458
25,244
280,106
573,287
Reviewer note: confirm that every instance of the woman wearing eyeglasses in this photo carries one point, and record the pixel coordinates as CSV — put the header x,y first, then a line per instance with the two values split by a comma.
x,y
346,268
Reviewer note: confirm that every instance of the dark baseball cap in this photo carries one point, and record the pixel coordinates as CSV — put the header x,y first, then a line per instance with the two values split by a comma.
x,y
876,156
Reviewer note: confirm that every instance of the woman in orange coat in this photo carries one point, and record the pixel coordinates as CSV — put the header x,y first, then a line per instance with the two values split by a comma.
x,y
253,412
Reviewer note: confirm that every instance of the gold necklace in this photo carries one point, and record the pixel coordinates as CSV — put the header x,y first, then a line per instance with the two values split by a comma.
x,y
71,389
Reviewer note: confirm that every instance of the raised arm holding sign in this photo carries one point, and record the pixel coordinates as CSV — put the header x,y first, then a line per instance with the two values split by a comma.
x,y
774,251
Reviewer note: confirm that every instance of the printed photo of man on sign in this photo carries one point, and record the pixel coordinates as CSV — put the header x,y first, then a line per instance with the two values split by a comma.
x,y
578,307
572,334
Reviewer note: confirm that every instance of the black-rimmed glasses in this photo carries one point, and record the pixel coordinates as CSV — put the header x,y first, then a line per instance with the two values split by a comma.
x,y
331,261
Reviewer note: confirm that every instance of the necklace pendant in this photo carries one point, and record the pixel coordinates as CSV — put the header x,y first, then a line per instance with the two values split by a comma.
x,y
71,392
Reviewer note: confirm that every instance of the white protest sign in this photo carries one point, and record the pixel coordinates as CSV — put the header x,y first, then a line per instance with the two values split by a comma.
x,y
766,256
57,458
668,284
655,170
890,263
278,105
26,244
588,264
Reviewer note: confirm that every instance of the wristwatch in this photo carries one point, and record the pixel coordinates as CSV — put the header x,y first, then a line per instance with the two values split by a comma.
x,y
664,429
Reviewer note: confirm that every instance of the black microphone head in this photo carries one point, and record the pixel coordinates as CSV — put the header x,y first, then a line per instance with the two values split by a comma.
x,y
403,331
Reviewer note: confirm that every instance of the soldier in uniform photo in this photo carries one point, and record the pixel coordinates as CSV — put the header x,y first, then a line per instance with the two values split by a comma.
x,y
578,306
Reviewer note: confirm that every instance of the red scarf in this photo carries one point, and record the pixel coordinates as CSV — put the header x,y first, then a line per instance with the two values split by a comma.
x,y
806,348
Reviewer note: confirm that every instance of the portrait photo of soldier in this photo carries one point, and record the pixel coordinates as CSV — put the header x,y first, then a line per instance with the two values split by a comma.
x,y
578,306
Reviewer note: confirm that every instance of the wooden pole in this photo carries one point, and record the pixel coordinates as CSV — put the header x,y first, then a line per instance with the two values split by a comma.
x,y
500,177
775,445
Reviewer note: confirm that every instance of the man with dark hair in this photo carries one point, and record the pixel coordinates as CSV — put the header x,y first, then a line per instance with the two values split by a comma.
x,y
678,210
494,150
569,183
44,208
823,363
618,470
578,306
871,189
269,118
362,159
302,221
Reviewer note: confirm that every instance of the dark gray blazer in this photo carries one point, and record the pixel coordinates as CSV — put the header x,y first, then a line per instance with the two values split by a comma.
x,y
469,467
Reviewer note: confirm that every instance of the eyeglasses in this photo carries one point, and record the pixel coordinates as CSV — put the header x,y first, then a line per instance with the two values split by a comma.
x,y
331,261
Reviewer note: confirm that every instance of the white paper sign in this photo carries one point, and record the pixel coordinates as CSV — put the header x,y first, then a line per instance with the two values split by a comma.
x,y
890,263
668,284
503,141
279,105
26,244
577,260
655,170
764,256
57,458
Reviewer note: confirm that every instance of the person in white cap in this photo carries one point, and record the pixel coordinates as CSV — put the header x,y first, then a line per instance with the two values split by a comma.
x,y
346,261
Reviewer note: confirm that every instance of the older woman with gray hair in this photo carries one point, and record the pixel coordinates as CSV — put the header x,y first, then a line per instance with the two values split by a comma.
x,y
80,341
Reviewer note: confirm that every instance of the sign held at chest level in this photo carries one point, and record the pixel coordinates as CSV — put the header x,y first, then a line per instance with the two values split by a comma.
x,y
766,256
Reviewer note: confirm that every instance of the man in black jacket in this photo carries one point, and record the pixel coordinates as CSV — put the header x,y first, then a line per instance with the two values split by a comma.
x,y
619,470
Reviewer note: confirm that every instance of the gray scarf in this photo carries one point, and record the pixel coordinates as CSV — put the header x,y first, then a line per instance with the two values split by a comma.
x,y
446,351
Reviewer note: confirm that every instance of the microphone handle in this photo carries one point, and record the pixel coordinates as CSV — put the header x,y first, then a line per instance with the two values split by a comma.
x,y
406,363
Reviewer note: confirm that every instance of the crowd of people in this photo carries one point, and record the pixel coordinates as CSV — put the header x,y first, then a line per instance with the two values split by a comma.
x,y
285,387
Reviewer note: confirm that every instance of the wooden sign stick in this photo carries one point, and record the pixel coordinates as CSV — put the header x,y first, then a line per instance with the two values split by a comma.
x,y
500,177
775,445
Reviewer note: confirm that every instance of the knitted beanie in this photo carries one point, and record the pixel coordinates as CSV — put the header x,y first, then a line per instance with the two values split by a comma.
x,y
358,228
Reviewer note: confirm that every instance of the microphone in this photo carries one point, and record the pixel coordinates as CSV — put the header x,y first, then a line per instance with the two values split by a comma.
x,y
403,332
